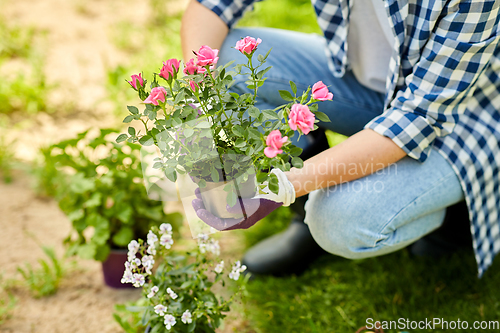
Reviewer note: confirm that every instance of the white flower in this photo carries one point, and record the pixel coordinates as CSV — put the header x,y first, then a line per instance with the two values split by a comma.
x,y
166,240
171,293
220,266
148,263
138,280
160,309
153,292
203,247
128,276
186,317
236,270
165,228
214,247
152,238
202,237
133,247
169,321
151,250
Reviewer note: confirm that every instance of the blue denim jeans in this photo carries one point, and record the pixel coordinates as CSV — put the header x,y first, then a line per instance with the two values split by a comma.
x,y
371,216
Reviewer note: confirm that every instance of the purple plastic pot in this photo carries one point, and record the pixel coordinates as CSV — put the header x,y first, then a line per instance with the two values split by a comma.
x,y
113,269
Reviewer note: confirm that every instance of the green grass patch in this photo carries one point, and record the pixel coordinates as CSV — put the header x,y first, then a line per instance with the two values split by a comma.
x,y
338,295
295,15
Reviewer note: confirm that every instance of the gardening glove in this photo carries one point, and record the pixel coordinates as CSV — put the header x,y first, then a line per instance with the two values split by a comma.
x,y
254,209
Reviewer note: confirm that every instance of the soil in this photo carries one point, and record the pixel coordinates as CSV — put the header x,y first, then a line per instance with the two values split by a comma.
x,y
78,53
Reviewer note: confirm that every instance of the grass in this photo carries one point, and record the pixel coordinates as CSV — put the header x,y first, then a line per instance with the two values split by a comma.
x,y
7,303
338,295
25,89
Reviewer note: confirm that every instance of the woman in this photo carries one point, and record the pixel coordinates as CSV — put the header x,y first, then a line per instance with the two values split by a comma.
x,y
415,87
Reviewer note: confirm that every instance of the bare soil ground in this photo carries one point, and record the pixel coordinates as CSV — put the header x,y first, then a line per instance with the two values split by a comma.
x,y
78,53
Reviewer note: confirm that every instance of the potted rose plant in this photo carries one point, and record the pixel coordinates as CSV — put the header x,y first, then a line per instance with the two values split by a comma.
x,y
177,286
218,137
98,184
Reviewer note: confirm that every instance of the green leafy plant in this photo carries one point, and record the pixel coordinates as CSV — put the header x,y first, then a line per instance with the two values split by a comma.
x,y
99,186
178,285
6,160
43,281
7,303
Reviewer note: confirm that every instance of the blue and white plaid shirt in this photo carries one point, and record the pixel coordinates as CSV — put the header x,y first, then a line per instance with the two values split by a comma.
x,y
443,90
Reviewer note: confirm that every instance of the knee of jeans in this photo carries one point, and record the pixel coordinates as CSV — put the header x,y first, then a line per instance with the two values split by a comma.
x,y
341,229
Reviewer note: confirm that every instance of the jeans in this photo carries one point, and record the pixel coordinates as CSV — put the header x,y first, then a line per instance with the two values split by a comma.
x,y
371,216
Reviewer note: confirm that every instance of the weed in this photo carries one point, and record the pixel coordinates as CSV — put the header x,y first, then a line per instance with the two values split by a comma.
x,y
43,281
7,304
6,159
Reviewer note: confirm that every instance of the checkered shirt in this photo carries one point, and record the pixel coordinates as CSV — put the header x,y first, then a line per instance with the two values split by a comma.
x,y
442,91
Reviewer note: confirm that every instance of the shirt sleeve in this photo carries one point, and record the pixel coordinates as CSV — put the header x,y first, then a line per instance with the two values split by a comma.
x,y
435,93
230,11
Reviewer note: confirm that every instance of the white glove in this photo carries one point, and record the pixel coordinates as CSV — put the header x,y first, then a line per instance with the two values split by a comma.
x,y
286,193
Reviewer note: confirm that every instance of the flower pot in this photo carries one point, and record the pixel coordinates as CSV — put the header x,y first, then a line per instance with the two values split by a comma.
x,y
113,269
215,198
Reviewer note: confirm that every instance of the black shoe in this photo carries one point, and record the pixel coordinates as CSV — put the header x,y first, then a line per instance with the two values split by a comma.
x,y
452,236
289,252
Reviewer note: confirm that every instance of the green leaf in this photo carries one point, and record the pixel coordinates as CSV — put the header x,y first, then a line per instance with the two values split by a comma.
x,y
294,87
131,131
215,175
80,184
171,174
237,130
295,151
123,236
121,138
188,132
125,214
260,58
270,114
231,198
253,111
133,109
101,235
102,252
87,251
253,133
128,119
146,140
285,94
76,215
297,162
321,116
273,183
203,124
94,201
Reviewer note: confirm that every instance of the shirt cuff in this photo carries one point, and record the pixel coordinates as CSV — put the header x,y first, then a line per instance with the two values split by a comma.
x,y
409,131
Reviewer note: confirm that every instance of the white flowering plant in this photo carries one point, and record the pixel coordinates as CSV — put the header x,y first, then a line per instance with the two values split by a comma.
x,y
177,285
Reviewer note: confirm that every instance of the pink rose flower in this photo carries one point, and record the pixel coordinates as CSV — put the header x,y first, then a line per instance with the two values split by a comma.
x,y
157,94
170,67
207,56
320,92
190,68
247,45
137,80
193,85
301,117
274,142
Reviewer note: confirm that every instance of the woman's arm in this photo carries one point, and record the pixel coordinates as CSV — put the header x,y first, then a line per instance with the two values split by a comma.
x,y
200,26
358,156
